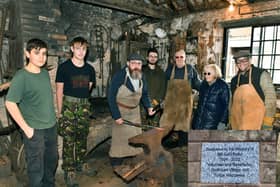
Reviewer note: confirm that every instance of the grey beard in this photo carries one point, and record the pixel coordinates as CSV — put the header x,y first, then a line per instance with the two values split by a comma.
x,y
136,75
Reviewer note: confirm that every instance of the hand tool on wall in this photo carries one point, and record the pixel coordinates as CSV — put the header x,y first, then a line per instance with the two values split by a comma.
x,y
100,40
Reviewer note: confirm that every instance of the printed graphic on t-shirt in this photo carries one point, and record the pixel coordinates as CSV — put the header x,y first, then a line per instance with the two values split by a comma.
x,y
80,81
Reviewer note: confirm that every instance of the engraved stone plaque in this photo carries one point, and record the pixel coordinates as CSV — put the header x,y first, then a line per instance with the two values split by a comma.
x,y
231,162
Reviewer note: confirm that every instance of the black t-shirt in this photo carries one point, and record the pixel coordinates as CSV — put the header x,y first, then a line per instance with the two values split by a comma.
x,y
76,79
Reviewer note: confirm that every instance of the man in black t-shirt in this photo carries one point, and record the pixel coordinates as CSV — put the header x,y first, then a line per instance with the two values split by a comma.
x,y
74,80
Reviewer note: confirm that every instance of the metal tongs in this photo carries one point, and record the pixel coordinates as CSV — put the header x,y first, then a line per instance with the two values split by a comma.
x,y
127,122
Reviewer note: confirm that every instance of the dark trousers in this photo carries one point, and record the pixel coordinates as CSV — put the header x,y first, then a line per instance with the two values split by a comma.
x,y
41,157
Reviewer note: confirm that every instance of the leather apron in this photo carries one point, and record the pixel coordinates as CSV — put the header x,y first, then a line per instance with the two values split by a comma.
x,y
178,104
248,110
130,110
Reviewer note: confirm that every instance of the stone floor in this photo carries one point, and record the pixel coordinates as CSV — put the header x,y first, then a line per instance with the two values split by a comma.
x,y
107,178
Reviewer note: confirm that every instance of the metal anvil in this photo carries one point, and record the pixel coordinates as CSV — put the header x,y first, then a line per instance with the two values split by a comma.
x,y
154,163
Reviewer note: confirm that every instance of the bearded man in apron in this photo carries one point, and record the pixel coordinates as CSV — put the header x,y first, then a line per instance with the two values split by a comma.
x,y
127,90
178,105
254,98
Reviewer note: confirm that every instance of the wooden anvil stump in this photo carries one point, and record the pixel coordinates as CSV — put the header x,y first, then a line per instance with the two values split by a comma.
x,y
152,168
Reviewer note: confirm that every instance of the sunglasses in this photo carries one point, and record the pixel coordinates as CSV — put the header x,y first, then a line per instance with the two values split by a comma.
x,y
208,73
179,57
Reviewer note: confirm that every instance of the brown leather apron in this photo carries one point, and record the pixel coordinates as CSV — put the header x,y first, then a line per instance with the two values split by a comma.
x,y
130,110
247,110
178,104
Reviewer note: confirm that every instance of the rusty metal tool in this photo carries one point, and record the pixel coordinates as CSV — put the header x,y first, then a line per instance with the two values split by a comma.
x,y
127,122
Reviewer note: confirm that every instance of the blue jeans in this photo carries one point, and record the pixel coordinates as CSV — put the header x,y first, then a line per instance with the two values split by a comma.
x,y
41,157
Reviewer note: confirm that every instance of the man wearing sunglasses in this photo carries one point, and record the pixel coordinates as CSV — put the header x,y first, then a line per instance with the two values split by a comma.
x,y
182,78
254,97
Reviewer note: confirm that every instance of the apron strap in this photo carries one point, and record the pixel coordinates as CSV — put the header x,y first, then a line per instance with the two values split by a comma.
x,y
140,82
173,72
186,73
125,80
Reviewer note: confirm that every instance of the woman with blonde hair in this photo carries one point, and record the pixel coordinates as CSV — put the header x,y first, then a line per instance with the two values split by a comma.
x,y
213,101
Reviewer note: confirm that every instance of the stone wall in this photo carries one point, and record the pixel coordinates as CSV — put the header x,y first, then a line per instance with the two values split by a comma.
x,y
208,26
267,154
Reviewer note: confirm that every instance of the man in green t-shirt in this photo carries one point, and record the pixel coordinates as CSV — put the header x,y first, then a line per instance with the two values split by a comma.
x,y
30,103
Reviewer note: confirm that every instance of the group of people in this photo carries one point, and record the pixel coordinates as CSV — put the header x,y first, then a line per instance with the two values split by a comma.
x,y
31,104
250,104
135,88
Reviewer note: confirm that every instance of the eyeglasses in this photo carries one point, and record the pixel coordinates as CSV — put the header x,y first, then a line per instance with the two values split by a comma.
x,y
179,57
208,73
242,60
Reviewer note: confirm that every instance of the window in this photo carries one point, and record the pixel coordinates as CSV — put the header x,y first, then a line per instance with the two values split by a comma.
x,y
264,43
266,50
237,39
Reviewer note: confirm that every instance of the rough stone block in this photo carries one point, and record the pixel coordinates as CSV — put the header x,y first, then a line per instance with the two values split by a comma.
x,y
268,173
193,185
268,151
99,131
234,135
267,135
193,171
198,135
194,153
268,185
213,185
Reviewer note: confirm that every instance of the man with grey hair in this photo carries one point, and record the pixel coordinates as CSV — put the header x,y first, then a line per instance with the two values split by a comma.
x,y
178,102
127,90
254,97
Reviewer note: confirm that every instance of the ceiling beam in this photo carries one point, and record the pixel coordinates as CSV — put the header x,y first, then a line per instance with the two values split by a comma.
x,y
135,7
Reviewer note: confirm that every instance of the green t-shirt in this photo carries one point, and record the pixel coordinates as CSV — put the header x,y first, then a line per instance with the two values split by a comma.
x,y
33,94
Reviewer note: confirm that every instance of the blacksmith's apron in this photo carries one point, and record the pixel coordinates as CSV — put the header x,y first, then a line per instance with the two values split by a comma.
x,y
178,104
128,103
248,110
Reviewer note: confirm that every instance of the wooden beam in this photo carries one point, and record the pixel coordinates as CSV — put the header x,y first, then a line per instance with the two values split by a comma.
x,y
135,7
